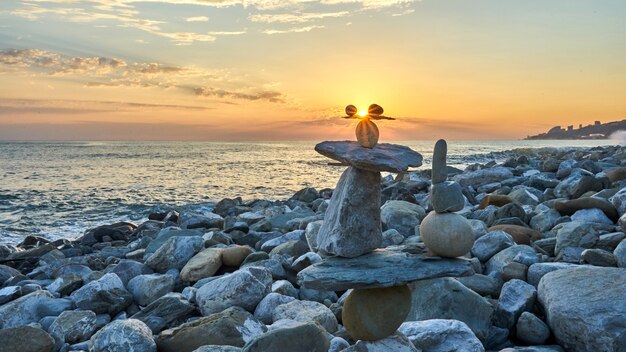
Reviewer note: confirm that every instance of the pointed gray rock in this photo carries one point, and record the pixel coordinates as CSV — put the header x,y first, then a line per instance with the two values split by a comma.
x,y
440,170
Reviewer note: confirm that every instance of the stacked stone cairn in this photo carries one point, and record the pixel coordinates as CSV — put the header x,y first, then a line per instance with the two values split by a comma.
x,y
350,238
445,233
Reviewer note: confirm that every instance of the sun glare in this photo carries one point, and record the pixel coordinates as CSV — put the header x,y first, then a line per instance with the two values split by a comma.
x,y
362,113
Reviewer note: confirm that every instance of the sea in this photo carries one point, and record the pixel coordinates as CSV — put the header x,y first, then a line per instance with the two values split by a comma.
x,y
60,189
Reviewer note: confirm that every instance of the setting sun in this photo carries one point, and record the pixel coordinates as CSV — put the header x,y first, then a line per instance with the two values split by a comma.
x,y
362,113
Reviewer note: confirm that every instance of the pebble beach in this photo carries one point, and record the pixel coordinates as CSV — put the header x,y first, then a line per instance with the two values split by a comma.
x,y
545,270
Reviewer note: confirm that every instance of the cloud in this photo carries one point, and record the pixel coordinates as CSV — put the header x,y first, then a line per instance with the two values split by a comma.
x,y
291,30
295,17
197,19
271,96
104,72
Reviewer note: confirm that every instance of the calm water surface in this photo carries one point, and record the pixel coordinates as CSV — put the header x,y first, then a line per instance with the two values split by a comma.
x,y
61,189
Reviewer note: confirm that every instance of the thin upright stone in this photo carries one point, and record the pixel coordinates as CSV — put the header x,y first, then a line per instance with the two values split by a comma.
x,y
440,170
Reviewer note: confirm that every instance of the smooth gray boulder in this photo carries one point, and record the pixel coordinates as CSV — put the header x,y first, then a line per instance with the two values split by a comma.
x,y
167,233
446,298
575,234
516,297
538,270
105,295
402,216
441,335
531,330
161,312
482,177
25,339
493,242
233,326
447,197
73,327
620,254
31,308
585,307
268,304
147,288
383,157
240,288
619,201
495,265
309,337
381,268
123,335
174,253
304,311
352,225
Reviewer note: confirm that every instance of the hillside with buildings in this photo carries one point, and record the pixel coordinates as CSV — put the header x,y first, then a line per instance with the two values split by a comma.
x,y
596,131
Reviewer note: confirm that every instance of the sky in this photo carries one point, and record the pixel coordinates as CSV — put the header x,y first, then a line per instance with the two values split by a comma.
x,y
233,70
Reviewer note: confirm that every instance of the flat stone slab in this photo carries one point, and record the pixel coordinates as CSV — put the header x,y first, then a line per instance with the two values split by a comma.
x,y
380,268
383,157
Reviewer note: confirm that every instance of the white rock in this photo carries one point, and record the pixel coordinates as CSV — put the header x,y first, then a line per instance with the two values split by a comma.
x,y
441,335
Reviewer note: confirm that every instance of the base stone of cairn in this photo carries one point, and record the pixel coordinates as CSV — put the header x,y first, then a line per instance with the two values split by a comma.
x,y
445,233
350,237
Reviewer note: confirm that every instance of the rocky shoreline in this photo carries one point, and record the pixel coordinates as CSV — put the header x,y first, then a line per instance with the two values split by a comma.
x,y
546,272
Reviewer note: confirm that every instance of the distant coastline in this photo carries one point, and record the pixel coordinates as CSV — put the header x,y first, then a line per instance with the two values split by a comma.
x,y
596,131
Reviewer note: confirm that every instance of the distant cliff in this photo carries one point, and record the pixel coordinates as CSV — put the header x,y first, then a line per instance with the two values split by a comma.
x,y
596,131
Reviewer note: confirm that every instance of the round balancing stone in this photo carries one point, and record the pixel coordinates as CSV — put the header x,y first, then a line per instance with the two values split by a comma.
x,y
375,313
375,110
447,235
351,110
367,133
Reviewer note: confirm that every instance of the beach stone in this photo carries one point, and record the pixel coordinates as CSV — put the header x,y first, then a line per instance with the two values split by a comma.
x,y
598,257
165,310
482,284
585,307
499,200
233,326
575,234
619,201
381,268
105,295
401,216
306,337
391,238
64,285
284,287
147,288
73,327
447,235
447,197
616,174
304,311
268,304
531,330
490,244
482,177
118,231
352,224
240,288
576,184
338,344
293,248
174,253
217,348
269,245
309,294
167,233
383,157
9,293
305,260
31,308
310,232
514,270
439,167
511,210
127,269
495,265
524,196
394,343
520,234
569,207
479,228
235,255
441,335
123,335
204,264
306,195
620,254
446,298
6,272
25,339
373,314
516,297
545,220
591,215
190,220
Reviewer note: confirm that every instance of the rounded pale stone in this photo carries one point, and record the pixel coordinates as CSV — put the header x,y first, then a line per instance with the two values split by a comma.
x,y
375,313
234,256
351,110
447,235
439,169
367,133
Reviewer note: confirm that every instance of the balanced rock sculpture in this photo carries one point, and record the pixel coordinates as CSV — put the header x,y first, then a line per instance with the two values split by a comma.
x,y
445,233
350,237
